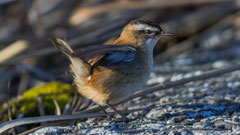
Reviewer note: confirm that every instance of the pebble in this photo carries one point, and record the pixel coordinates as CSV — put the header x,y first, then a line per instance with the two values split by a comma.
x,y
236,118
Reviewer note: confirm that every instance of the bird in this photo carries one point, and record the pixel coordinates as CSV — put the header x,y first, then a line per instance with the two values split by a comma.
x,y
114,76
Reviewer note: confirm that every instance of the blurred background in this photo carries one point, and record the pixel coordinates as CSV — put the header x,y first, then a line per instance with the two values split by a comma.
x,y
28,59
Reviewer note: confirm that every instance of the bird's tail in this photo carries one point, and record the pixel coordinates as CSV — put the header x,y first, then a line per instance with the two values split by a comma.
x,y
80,68
63,47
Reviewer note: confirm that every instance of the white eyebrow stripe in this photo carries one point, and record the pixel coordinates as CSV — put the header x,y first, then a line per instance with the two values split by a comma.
x,y
145,27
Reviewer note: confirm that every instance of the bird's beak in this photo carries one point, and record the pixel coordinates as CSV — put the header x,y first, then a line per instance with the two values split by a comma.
x,y
167,33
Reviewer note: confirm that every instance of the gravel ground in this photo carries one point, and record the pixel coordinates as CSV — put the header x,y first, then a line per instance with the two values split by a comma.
x,y
209,106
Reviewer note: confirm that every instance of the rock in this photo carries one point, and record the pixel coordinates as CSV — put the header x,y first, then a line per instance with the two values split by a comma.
x,y
154,114
174,133
53,131
188,122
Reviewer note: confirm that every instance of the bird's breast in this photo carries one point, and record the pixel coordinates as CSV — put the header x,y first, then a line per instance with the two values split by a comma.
x,y
121,81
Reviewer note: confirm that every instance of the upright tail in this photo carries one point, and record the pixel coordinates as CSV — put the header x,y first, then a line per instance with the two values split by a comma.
x,y
81,69
63,47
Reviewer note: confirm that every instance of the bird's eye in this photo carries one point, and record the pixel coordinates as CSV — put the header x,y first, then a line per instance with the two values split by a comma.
x,y
149,32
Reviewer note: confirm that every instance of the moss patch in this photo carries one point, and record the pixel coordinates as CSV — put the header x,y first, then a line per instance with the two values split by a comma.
x,y
27,103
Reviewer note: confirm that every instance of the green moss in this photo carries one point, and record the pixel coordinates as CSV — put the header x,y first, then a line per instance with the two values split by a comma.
x,y
27,103
15,107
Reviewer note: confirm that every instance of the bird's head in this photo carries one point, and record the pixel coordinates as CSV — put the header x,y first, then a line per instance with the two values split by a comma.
x,y
142,33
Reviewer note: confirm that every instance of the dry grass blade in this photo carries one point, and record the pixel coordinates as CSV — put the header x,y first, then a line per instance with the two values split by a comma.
x,y
12,50
77,106
67,107
86,104
85,13
9,108
23,83
75,98
57,111
10,118
40,106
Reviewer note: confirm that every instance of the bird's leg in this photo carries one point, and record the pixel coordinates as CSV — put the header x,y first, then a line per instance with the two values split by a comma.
x,y
118,112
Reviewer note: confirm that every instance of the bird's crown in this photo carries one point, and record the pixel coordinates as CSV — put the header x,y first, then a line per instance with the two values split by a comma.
x,y
145,24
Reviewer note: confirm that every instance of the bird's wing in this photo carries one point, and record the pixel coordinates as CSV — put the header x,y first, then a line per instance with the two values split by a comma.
x,y
105,54
113,59
100,50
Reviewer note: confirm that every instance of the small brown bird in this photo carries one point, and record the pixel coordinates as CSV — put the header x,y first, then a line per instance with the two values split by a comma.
x,y
114,76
